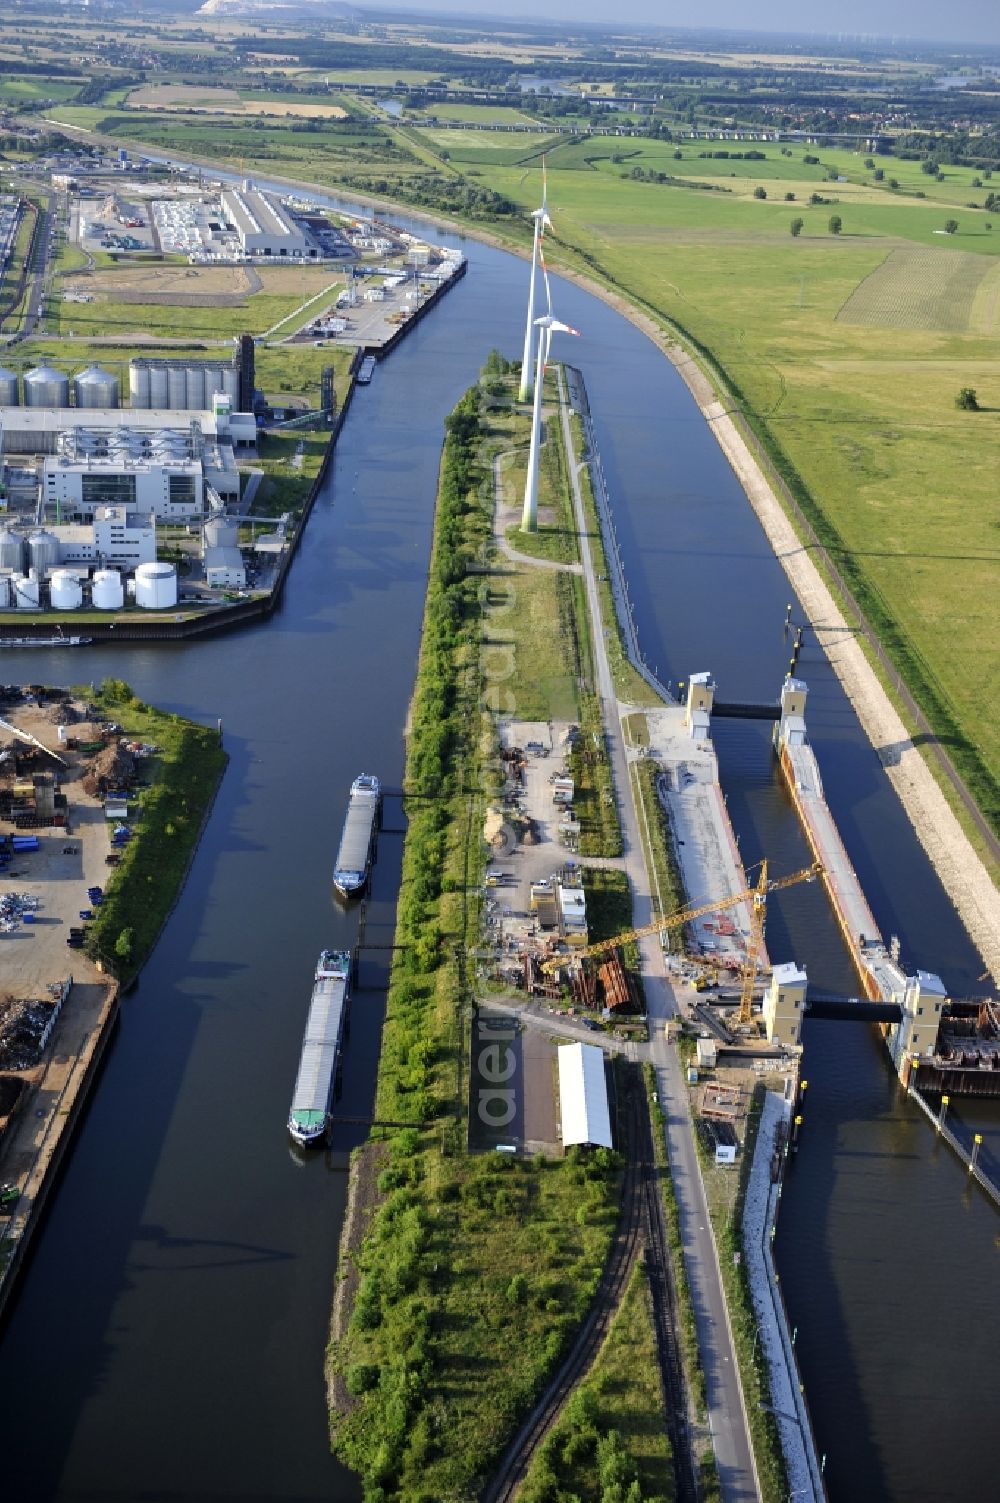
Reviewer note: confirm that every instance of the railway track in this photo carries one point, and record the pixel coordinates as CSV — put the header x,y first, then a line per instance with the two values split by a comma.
x,y
664,1302
640,1225
617,1271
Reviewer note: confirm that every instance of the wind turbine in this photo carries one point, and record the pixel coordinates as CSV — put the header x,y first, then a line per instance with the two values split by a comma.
x,y
548,326
542,223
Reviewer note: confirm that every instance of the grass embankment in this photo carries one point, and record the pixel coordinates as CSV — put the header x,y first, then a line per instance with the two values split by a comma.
x,y
477,1268
727,1226
658,849
142,889
290,461
611,1440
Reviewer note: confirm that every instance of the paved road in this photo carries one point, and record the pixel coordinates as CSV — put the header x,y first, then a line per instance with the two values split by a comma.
x,y
724,1395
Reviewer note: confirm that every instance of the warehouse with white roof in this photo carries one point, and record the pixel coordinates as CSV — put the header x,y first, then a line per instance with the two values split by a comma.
x,y
583,1096
263,226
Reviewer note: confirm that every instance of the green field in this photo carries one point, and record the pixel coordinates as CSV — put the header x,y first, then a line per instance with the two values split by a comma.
x,y
613,1429
480,114
846,352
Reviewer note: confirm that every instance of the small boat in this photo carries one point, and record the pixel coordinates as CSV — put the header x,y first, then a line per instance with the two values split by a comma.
x,y
357,843
316,1082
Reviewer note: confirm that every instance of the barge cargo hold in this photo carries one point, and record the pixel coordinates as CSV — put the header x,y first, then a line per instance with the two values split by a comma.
x,y
316,1082
357,843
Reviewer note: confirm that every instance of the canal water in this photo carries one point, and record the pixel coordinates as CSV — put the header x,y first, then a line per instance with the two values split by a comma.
x,y
168,1336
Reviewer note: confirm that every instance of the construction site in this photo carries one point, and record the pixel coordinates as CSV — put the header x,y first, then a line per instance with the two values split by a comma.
x,y
64,780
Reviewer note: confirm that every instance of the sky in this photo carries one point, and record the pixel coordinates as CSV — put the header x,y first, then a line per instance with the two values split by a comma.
x,y
956,21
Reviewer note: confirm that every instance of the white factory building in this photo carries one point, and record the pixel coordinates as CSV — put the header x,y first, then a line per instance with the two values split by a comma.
x,y
173,490
263,226
159,461
116,536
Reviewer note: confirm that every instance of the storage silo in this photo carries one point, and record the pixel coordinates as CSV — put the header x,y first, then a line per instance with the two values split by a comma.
x,y
108,594
43,551
5,588
65,591
9,393
46,387
231,384
138,385
195,379
26,592
176,387
156,586
222,532
95,388
159,386
11,551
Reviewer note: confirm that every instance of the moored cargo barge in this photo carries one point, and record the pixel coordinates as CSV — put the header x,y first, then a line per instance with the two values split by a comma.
x,y
319,1065
357,843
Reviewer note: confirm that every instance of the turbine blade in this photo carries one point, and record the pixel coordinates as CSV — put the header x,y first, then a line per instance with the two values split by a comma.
x,y
545,276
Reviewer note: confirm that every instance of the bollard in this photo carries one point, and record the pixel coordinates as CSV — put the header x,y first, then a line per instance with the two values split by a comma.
x,y
942,1113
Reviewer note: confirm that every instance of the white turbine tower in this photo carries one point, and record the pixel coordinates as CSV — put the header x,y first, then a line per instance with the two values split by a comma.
x,y
542,222
548,326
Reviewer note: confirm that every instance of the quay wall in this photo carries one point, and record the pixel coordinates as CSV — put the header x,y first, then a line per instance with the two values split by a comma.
x,y
56,1138
865,977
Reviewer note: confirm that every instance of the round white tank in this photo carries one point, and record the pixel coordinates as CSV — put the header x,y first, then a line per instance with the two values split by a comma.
x,y
8,388
194,377
159,387
11,551
177,393
45,387
65,591
95,388
43,551
27,592
222,532
138,386
107,590
156,586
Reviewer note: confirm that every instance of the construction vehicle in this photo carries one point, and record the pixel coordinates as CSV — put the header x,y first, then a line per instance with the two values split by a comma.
x,y
756,896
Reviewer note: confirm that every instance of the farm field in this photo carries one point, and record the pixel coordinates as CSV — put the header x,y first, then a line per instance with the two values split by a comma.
x,y
228,102
480,114
847,353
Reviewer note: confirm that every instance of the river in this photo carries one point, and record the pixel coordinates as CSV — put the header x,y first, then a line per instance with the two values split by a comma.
x,y
169,1331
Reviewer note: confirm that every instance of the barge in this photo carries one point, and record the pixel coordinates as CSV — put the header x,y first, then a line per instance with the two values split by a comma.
x,y
357,843
319,1065
44,641
366,370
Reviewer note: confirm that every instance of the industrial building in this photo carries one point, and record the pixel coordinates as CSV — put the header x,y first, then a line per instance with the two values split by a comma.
x,y
117,536
263,226
164,464
583,1096
180,384
172,489
221,556
191,384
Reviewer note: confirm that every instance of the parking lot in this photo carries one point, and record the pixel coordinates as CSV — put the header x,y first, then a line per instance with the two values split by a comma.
x,y
536,841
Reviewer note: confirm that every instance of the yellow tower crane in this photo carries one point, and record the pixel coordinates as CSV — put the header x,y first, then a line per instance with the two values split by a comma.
x,y
756,896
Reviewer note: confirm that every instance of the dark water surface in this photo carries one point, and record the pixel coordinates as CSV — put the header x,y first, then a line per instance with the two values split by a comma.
x,y
168,1336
